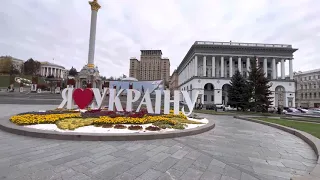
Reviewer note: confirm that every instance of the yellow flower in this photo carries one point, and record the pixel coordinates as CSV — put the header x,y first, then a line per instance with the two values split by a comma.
x,y
27,119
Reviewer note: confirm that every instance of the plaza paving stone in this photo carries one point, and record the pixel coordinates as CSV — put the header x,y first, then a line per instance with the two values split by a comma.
x,y
233,150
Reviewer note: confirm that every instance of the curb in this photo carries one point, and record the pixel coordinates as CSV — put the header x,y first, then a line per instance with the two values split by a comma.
x,y
7,126
308,138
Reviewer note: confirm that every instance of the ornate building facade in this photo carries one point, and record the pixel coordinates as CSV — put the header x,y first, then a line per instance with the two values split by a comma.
x,y
209,66
308,88
152,66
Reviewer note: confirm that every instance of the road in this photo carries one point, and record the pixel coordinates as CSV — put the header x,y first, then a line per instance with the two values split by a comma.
x,y
30,98
233,150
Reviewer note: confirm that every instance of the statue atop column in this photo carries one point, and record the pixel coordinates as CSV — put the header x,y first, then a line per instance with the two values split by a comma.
x,y
95,6
90,72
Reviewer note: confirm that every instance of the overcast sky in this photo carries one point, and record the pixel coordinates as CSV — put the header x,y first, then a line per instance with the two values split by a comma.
x,y
59,29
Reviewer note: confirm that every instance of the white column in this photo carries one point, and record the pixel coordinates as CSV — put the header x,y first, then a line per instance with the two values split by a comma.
x,y
92,36
290,69
274,69
248,66
204,66
213,63
222,67
55,72
230,67
282,69
46,70
240,65
191,73
265,67
51,71
196,66
188,71
193,68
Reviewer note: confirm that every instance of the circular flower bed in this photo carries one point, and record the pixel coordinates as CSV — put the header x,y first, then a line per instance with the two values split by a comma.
x,y
104,121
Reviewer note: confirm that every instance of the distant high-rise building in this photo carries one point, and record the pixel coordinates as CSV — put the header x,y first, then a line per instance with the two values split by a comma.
x,y
152,66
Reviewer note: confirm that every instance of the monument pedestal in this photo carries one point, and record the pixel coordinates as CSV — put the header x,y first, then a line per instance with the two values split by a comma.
x,y
89,76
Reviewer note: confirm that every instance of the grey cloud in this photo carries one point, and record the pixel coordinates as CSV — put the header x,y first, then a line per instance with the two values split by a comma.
x,y
60,29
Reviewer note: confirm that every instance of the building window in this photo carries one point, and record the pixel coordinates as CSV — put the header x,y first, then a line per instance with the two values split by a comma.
x,y
306,86
314,86
205,97
306,95
309,77
310,95
212,97
301,87
301,95
314,95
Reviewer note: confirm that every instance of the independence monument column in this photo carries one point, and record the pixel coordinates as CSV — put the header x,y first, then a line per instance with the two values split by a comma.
x,y
94,11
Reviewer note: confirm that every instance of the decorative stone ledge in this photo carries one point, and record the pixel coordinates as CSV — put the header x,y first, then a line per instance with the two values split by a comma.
x,y
308,138
8,126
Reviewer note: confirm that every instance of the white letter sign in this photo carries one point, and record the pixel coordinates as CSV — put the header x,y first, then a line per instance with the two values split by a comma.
x,y
132,96
190,103
114,99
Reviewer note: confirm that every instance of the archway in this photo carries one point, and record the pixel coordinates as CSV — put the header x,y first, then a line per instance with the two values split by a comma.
x,y
208,94
280,96
225,96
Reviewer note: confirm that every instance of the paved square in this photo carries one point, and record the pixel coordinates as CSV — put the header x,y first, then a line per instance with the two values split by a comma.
x,y
234,149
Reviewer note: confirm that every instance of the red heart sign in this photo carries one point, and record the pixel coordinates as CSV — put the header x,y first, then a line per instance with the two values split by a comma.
x,y
82,97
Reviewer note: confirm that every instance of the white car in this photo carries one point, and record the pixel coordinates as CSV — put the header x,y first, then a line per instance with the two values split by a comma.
x,y
303,110
229,108
220,106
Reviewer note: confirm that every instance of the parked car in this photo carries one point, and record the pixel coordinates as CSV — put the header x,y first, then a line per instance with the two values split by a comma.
x,y
314,111
229,108
220,106
302,110
272,109
290,110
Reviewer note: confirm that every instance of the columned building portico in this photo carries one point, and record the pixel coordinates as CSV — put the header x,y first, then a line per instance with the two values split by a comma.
x,y
48,69
217,68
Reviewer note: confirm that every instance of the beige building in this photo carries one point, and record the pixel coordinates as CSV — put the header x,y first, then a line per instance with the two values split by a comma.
x,y
152,66
17,63
173,82
308,88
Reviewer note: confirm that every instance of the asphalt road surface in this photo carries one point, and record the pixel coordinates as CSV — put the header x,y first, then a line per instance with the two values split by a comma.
x,y
30,98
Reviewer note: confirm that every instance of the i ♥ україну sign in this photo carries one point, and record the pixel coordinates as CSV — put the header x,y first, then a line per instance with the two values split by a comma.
x,y
93,98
